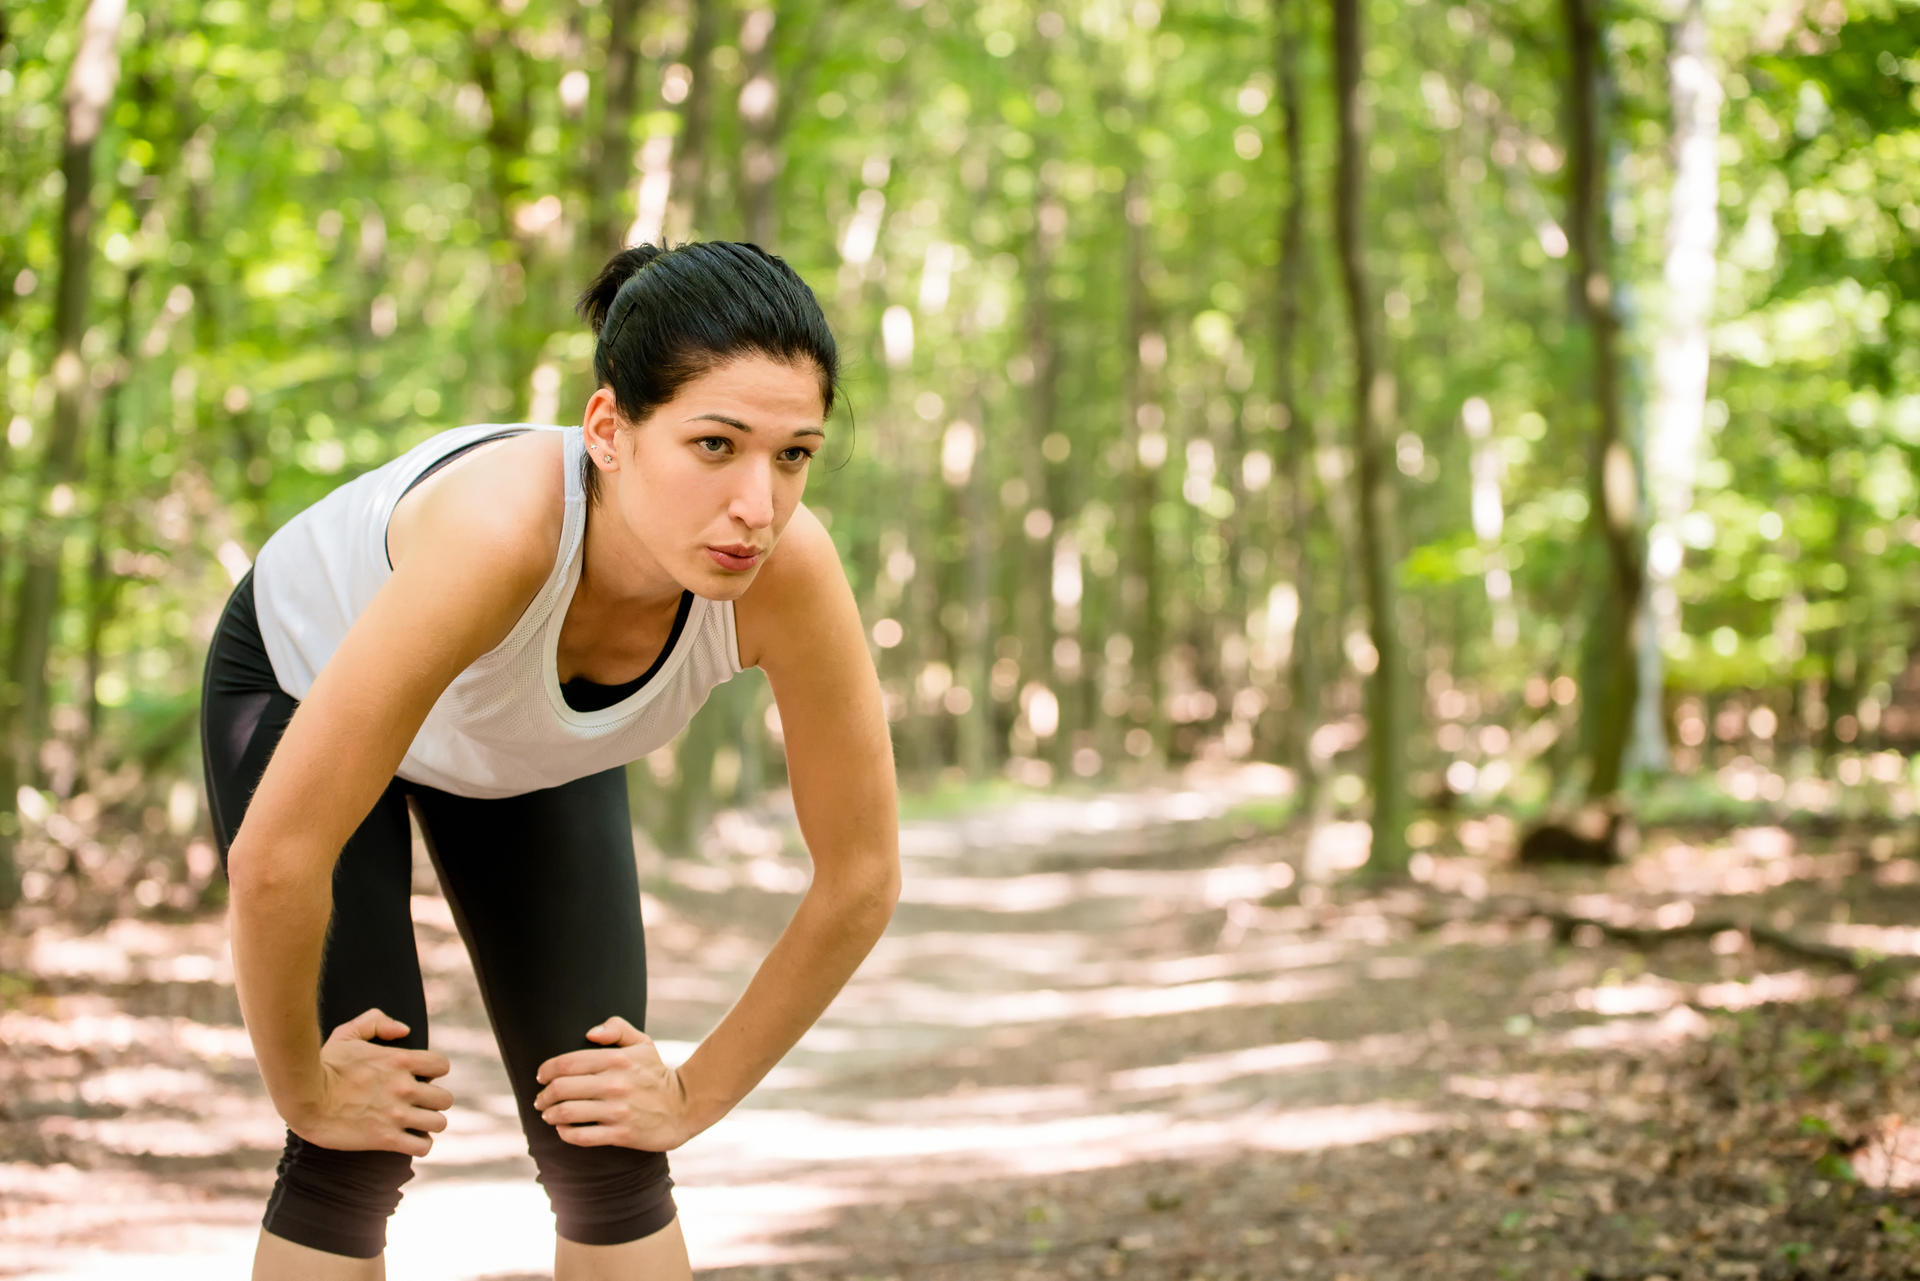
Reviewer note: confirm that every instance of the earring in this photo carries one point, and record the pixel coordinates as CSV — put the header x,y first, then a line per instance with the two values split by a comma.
x,y
609,457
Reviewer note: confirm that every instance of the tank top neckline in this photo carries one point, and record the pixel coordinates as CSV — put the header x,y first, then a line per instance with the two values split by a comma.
x,y
573,555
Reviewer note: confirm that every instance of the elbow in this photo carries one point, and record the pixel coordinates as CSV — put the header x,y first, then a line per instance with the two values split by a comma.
x,y
867,892
269,877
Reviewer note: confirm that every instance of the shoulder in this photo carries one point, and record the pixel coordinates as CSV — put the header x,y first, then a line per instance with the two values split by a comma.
x,y
799,598
504,503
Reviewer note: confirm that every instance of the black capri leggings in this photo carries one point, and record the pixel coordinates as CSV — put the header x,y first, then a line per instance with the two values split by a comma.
x,y
544,891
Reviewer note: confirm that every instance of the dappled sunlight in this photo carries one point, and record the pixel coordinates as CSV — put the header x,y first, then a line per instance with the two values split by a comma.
x,y
1888,940
1768,989
1890,1158
1217,1069
1646,1032
106,1031
1530,1091
938,1151
1209,791
1043,891
1072,961
131,950
951,1009
240,1127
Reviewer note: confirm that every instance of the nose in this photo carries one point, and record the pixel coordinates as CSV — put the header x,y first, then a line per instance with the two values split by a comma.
x,y
752,503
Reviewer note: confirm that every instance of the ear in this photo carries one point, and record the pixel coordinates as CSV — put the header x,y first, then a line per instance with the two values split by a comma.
x,y
602,427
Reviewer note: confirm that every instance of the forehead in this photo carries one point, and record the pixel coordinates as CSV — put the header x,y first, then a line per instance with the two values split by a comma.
x,y
785,391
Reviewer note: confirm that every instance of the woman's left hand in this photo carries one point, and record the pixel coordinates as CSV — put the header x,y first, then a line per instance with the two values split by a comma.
x,y
622,1096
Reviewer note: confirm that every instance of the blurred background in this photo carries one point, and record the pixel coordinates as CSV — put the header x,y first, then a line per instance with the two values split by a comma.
x,y
1218,390
1383,432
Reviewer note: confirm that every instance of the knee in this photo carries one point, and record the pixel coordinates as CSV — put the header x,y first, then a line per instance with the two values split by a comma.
x,y
605,1196
336,1201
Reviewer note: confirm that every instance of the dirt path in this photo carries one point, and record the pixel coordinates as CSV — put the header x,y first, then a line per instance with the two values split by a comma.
x,y
1113,1049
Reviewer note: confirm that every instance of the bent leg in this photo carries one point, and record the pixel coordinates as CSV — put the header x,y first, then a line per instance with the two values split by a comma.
x,y
545,893
323,1200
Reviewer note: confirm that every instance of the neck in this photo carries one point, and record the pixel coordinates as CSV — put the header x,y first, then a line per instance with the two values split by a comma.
x,y
617,573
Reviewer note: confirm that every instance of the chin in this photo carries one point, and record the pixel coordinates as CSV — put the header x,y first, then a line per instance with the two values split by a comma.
x,y
719,584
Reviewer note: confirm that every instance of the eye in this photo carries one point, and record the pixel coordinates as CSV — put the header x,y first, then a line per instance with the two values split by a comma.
x,y
713,445
796,454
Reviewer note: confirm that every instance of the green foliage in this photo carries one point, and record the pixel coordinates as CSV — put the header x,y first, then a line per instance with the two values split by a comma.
x,y
330,230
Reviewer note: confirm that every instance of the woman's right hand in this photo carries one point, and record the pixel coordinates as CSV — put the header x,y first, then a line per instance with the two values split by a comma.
x,y
374,1097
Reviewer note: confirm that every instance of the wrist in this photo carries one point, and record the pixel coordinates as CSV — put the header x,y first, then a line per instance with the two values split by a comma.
x,y
297,1093
699,1107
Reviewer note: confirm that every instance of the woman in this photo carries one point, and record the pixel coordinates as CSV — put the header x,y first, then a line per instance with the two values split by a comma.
x,y
492,639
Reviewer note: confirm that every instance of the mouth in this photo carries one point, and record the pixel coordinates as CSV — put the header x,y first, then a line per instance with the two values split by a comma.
x,y
736,556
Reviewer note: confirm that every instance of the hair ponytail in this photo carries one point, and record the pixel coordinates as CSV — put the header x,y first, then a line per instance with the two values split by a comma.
x,y
596,300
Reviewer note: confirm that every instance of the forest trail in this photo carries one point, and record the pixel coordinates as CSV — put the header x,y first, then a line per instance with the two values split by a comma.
x,y
1122,1045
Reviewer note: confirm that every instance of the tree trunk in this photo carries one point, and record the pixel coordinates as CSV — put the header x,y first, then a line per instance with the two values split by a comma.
x,y
1143,586
1611,660
103,585
973,504
688,192
1680,357
1042,617
1387,709
760,157
1293,449
1838,649
612,151
23,693
500,70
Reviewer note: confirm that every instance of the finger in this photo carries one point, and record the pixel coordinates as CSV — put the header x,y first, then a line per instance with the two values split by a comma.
x,y
371,1025
618,1030
582,1112
589,1136
429,1096
411,1144
422,1119
577,1063
597,1086
425,1063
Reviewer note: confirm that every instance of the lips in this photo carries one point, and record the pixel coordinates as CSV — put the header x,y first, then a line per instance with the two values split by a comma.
x,y
736,556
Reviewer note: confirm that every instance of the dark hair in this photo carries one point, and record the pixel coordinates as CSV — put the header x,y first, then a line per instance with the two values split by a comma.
x,y
663,316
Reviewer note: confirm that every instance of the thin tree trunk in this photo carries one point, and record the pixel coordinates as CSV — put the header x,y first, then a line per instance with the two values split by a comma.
x,y
1043,617
767,101
1680,357
612,149
1143,587
760,158
1611,661
1387,692
508,122
1839,656
103,586
23,693
1294,454
973,501
688,192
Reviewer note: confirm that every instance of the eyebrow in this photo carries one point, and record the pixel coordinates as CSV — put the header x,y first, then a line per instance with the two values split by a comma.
x,y
735,422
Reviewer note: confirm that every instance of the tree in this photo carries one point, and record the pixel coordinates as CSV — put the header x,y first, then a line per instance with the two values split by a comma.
x,y
23,696
1614,612
1372,406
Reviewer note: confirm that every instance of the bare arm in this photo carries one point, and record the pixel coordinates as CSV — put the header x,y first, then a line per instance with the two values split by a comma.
x,y
799,624
477,559
840,767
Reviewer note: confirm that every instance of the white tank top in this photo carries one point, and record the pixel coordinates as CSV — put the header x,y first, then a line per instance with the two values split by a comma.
x,y
502,727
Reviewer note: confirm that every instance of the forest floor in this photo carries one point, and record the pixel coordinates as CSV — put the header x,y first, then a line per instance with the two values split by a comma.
x,y
1108,1037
